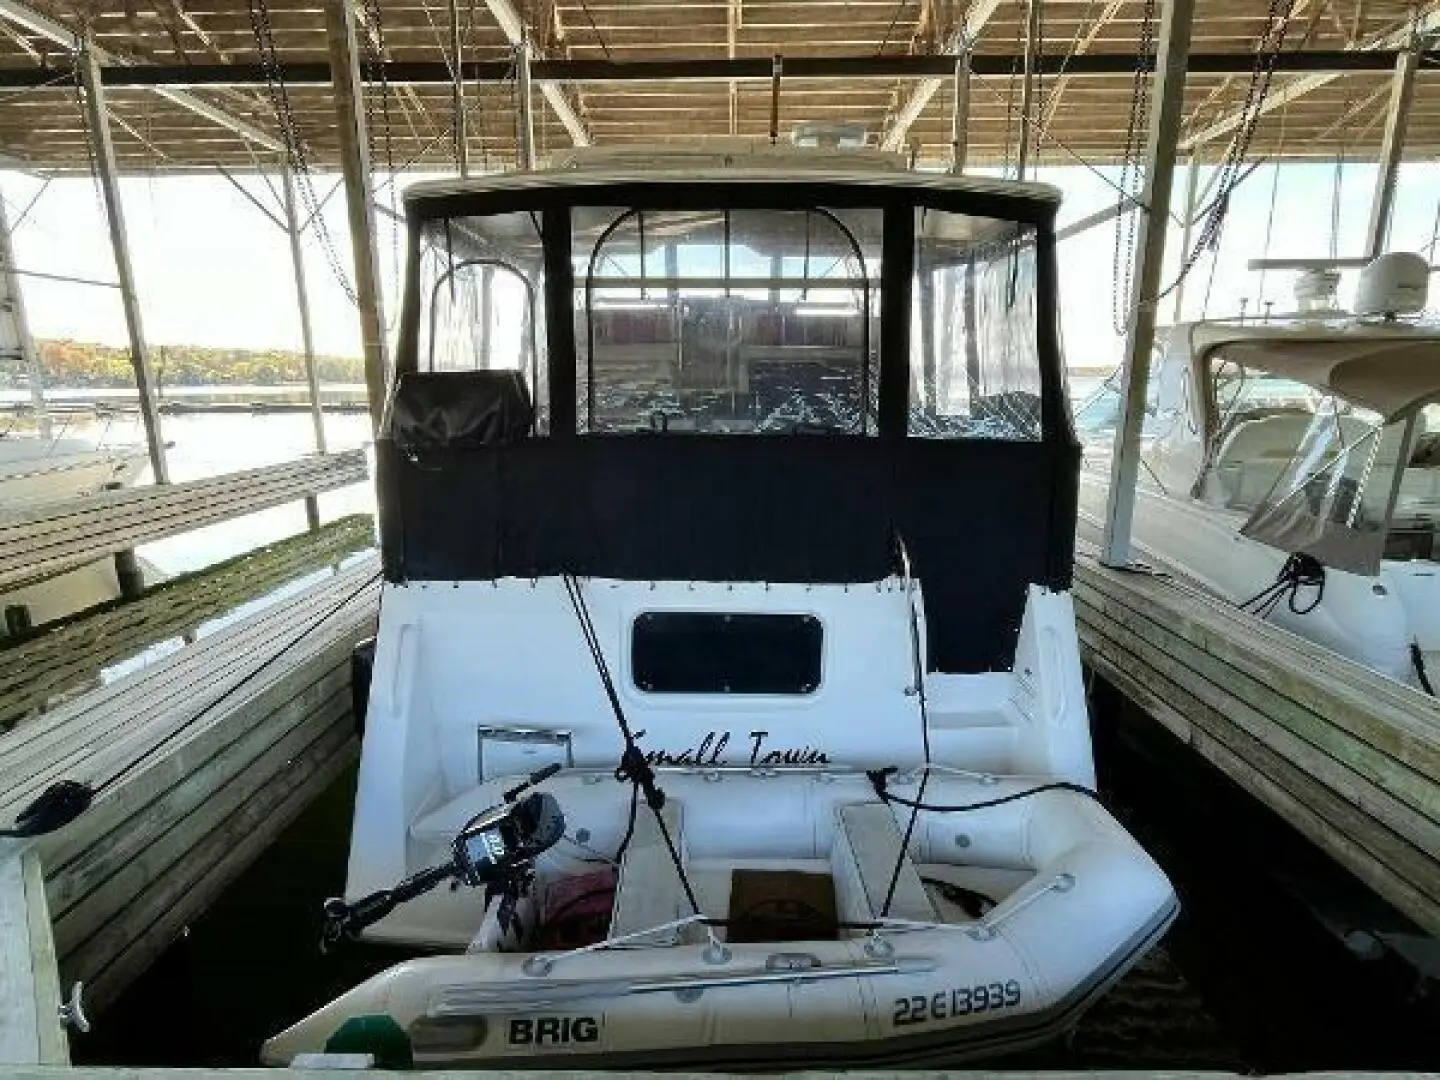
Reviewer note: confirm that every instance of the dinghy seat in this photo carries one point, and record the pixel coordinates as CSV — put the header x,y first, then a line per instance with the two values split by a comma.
x,y
862,861
649,892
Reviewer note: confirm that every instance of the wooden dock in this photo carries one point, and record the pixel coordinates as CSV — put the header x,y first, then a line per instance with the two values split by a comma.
x,y
71,656
48,539
30,1030
199,761
1349,758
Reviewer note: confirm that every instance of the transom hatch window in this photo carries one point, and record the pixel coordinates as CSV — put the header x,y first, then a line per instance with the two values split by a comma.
x,y
482,286
727,321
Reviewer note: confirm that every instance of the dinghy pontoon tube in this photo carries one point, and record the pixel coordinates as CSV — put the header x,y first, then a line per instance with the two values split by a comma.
x,y
799,572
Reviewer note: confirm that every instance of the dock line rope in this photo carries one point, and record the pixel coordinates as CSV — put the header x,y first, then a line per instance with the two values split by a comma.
x,y
1301,571
1417,658
65,800
633,768
917,665
879,781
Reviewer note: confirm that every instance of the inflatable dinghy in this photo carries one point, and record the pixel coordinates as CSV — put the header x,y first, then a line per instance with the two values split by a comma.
x,y
1004,922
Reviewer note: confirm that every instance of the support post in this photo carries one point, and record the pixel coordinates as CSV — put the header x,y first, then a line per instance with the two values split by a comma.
x,y
307,337
1382,203
487,316
526,118
1161,152
960,111
1027,91
97,119
457,92
1187,226
359,196
16,335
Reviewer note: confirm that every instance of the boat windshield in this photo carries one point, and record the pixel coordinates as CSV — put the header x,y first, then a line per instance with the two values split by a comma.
x,y
727,320
740,320
1317,473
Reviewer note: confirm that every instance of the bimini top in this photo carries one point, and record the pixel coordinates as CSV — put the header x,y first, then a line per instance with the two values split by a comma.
x,y
1390,368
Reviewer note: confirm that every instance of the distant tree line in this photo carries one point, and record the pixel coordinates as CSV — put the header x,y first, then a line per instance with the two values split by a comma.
x,y
86,364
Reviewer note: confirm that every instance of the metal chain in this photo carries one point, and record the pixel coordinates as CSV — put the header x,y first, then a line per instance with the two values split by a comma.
x,y
297,157
1272,42
89,139
1010,96
1122,269
375,71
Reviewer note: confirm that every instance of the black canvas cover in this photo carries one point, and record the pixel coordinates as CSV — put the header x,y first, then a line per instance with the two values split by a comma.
x,y
980,519
433,410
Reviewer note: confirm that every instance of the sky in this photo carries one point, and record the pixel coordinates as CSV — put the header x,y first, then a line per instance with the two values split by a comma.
x,y
213,271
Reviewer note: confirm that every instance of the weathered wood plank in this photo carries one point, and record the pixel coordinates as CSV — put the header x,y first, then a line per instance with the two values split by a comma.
x,y
143,496
1402,722
1326,820
44,966
48,524
160,915
93,736
222,744
1399,848
69,657
168,777
1351,767
42,541
93,891
29,984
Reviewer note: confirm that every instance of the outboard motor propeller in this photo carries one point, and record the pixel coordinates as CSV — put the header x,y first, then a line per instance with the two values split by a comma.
x,y
496,849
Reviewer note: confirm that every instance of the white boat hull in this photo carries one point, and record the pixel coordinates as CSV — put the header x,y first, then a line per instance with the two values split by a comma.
x,y
53,472
1370,620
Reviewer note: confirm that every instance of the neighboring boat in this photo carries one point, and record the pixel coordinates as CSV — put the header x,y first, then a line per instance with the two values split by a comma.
x,y
1293,465
34,470
725,654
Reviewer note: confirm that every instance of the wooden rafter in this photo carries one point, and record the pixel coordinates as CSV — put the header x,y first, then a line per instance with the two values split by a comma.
x,y
1082,45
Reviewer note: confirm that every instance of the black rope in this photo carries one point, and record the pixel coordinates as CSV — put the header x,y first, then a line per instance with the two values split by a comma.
x,y
633,768
879,778
918,670
1417,658
1301,571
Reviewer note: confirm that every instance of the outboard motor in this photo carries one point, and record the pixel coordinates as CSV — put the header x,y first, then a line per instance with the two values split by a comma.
x,y
497,848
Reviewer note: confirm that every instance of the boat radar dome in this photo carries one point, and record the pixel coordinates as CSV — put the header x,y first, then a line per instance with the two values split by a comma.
x,y
1397,283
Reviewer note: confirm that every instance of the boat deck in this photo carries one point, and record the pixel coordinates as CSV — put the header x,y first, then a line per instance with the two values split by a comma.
x,y
1347,757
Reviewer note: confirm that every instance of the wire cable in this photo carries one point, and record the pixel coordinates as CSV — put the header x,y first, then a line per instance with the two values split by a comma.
x,y
634,767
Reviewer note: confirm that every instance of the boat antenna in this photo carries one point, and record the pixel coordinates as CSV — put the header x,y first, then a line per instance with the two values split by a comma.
x,y
634,768
918,689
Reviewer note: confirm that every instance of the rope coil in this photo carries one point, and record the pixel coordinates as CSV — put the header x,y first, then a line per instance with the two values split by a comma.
x,y
1301,571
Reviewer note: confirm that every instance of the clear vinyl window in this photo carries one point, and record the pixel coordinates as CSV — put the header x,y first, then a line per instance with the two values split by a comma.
x,y
727,321
482,292
974,358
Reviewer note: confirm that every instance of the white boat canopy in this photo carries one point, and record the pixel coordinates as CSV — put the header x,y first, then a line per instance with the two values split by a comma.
x,y
1391,369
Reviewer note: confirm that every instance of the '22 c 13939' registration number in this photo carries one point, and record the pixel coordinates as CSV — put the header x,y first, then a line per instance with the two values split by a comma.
x,y
961,1001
